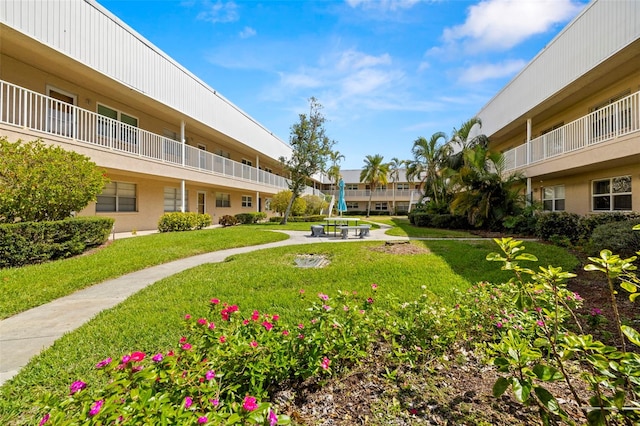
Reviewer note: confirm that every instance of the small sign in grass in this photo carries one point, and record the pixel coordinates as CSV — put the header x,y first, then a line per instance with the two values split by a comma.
x,y
311,261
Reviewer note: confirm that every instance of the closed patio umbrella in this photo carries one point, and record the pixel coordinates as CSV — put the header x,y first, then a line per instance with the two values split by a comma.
x,y
342,205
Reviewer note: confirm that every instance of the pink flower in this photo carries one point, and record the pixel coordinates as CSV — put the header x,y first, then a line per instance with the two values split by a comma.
x,y
137,356
246,322
374,286
249,403
300,336
210,375
215,301
345,308
273,419
103,363
188,401
222,339
202,321
77,386
370,300
183,339
186,346
596,311
499,324
285,332
44,419
157,357
212,326
253,344
301,291
323,296
275,317
255,316
540,323
300,326
326,307
126,359
96,407
267,325
202,420
325,363
187,317
214,402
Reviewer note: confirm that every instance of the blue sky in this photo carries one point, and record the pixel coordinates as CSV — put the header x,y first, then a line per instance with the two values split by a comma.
x,y
385,71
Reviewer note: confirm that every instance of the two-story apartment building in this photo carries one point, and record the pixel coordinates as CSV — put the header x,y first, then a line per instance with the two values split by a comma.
x,y
74,75
395,197
570,120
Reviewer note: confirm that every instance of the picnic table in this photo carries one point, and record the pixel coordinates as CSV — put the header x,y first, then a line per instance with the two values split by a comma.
x,y
337,222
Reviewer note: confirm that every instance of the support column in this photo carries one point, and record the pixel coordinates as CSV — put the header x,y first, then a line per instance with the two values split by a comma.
x,y
183,139
529,197
183,205
257,201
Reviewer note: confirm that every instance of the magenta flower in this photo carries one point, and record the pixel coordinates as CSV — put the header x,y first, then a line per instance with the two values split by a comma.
x,y
126,359
540,323
374,286
202,420
596,311
267,325
45,419
103,363
210,375
499,324
249,403
325,363
255,316
300,336
285,332
214,402
323,296
77,386
157,357
370,300
253,344
202,321
187,317
137,356
96,407
246,322
188,401
215,301
222,339
273,419
212,326
275,317
326,307
186,346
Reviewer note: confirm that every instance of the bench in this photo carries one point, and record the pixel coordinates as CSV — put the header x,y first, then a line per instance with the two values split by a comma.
x,y
361,230
317,230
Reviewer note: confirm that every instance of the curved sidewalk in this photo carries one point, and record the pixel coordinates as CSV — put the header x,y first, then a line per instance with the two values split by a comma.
x,y
25,335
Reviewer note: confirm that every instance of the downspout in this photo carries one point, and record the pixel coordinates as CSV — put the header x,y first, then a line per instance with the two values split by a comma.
x,y
529,190
182,183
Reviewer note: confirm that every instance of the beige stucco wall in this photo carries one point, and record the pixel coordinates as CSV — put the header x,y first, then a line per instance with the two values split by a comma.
x,y
578,196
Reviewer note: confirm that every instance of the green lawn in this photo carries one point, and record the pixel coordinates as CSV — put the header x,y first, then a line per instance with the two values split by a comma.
x,y
402,228
265,280
30,286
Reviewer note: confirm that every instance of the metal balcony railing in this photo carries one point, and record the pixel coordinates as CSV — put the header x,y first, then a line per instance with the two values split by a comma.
x,y
25,108
612,121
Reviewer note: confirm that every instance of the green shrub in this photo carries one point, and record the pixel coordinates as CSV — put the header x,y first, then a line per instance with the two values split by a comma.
x,y
560,224
590,222
449,221
228,220
179,221
314,204
615,236
421,218
26,243
248,218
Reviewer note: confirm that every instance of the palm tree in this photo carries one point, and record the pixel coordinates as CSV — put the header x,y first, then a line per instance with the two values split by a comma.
x,y
374,173
429,159
395,165
461,141
485,194
334,170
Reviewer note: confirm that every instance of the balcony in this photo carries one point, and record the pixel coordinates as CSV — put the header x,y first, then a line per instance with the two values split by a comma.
x,y
27,109
612,121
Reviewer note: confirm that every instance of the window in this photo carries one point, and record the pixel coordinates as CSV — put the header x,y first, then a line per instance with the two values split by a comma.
x,y
402,187
247,162
352,205
110,126
607,118
222,153
351,187
247,201
553,198
173,199
117,197
402,206
612,194
223,200
381,206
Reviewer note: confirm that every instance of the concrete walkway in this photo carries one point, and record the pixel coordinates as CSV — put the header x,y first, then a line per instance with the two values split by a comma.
x,y
25,335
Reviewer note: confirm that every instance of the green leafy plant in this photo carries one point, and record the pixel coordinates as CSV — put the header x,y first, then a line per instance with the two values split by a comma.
x,y
227,220
183,221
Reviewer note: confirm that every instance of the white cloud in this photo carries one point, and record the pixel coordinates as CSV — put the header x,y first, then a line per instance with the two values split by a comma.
x,y
247,32
482,72
353,60
502,24
219,12
300,80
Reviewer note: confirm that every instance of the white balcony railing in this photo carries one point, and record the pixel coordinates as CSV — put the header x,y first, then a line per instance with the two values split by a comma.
x,y
25,108
388,194
612,121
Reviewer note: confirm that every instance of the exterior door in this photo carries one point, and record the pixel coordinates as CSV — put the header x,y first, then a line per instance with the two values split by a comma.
x,y
60,112
202,198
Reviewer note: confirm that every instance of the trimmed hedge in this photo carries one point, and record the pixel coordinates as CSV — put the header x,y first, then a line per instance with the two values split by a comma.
x,y
26,243
248,218
616,236
179,221
443,221
227,220
557,226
